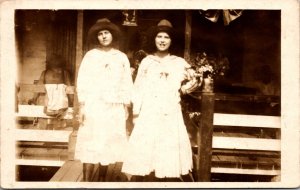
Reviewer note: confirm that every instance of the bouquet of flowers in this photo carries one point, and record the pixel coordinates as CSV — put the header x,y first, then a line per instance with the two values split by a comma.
x,y
209,66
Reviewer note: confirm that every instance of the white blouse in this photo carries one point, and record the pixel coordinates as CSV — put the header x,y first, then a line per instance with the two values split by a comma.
x,y
104,76
159,81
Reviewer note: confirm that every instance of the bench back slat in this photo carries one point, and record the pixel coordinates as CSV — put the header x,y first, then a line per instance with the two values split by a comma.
x,y
38,111
240,120
31,162
42,135
40,88
226,170
246,143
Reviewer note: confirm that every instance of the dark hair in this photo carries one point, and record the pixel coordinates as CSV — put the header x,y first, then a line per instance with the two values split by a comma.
x,y
55,61
103,24
94,42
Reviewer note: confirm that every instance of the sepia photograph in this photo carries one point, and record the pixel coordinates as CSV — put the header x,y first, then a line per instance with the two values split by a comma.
x,y
122,93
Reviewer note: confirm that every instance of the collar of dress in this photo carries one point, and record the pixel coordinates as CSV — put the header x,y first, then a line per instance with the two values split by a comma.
x,y
113,51
167,58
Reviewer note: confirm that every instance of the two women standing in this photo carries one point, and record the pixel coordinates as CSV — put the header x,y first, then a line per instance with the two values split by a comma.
x,y
159,142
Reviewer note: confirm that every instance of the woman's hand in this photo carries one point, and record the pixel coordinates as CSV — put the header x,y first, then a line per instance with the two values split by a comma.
x,y
81,113
126,112
134,118
192,84
127,107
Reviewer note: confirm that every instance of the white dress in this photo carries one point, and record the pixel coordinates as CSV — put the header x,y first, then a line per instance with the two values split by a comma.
x,y
159,141
104,84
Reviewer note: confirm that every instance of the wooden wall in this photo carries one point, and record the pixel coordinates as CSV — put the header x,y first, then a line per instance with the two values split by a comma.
x,y
39,33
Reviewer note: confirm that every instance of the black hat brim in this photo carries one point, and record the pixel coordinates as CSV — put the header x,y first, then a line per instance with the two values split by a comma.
x,y
94,30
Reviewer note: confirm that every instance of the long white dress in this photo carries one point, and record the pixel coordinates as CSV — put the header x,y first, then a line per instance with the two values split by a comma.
x,y
159,141
104,84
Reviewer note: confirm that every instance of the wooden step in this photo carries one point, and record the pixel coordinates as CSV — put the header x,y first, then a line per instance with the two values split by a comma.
x,y
70,171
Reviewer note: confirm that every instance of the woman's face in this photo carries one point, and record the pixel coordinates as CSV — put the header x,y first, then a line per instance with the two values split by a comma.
x,y
105,38
162,41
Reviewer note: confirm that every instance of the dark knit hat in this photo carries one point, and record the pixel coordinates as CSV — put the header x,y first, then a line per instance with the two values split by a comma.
x,y
103,24
164,26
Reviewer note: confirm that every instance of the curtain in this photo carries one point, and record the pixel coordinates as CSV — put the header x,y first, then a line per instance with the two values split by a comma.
x,y
227,14
62,38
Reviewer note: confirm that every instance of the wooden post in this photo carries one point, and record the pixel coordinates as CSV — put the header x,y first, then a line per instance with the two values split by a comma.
x,y
79,38
79,55
71,145
205,137
188,35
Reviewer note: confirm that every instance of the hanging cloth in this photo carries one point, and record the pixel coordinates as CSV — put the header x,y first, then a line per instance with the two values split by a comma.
x,y
56,99
228,15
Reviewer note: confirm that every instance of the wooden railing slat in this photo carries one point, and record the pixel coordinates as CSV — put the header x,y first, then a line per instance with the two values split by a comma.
x,y
40,88
38,111
43,153
246,120
246,143
42,135
244,171
246,98
37,162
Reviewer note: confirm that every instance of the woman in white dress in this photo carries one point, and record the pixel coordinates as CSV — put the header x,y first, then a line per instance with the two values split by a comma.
x,y
159,142
104,86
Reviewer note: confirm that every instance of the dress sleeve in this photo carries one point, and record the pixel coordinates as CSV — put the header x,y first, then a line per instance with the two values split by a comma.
x,y
189,76
138,89
83,79
127,84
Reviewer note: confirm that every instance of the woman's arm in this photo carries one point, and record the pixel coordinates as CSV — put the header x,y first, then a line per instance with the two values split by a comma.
x,y
83,77
82,81
192,83
68,83
138,88
127,84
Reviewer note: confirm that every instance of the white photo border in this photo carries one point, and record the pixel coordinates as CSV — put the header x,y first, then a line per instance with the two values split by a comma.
x,y
290,67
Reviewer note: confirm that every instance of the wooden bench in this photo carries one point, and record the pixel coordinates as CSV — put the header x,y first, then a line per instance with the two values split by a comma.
x,y
41,147
230,142
225,152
